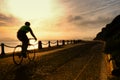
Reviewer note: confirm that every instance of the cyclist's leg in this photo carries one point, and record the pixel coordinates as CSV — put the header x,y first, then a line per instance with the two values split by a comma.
x,y
20,36
25,45
24,39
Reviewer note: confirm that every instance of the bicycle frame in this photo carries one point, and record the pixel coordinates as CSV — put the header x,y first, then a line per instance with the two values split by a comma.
x,y
18,58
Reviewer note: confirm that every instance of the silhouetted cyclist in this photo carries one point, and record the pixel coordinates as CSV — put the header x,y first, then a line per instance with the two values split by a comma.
x,y
21,35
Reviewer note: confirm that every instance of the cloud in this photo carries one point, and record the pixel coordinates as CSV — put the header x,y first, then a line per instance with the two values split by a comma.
x,y
85,21
72,18
98,20
87,7
8,20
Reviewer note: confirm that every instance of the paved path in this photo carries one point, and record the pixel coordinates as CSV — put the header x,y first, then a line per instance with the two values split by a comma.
x,y
72,62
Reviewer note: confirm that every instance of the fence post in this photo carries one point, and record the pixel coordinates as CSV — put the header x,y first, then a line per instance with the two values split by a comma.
x,y
67,42
74,41
39,45
63,42
57,43
71,41
49,44
2,49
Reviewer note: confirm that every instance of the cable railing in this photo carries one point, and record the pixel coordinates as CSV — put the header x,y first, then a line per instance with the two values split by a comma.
x,y
40,44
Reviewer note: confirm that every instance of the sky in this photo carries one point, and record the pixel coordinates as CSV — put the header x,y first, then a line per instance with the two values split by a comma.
x,y
57,19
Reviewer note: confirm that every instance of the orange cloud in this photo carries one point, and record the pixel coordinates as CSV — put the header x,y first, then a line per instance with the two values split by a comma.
x,y
8,20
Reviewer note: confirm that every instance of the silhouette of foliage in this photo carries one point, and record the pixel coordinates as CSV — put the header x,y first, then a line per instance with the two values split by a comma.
x,y
111,35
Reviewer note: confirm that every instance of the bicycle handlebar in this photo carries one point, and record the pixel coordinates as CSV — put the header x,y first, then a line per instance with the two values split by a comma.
x,y
33,41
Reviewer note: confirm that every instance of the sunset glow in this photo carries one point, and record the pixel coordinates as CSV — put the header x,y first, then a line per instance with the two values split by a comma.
x,y
57,19
31,9
41,13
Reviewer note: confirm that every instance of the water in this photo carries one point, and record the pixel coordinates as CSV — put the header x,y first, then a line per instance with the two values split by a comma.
x,y
9,44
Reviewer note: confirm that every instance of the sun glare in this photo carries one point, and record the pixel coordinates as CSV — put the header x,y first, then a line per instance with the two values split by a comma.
x,y
31,9
44,15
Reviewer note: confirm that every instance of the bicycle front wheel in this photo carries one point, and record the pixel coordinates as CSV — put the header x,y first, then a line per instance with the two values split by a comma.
x,y
31,53
17,55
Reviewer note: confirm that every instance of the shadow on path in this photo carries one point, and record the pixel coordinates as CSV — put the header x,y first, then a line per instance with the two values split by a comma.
x,y
22,73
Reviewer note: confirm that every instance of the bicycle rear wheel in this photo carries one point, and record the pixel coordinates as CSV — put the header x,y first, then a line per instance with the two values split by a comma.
x,y
17,55
31,52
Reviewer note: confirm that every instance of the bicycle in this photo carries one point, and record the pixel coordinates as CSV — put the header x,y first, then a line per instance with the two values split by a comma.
x,y
17,55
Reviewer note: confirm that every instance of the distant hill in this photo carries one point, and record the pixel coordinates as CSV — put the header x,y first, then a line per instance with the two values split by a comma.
x,y
111,35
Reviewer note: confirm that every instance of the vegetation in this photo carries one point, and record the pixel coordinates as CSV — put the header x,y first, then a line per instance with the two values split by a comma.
x,y
111,35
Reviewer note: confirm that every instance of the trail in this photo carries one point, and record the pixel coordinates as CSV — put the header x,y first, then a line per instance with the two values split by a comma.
x,y
71,62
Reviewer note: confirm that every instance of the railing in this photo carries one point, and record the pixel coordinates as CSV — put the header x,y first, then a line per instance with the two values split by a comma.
x,y
40,44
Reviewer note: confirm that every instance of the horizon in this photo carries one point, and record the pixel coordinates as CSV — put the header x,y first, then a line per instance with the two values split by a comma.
x,y
56,19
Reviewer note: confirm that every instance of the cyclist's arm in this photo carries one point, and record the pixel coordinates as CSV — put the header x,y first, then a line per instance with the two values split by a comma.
x,y
33,34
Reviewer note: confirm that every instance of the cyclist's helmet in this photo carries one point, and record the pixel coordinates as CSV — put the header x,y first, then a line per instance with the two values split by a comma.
x,y
27,23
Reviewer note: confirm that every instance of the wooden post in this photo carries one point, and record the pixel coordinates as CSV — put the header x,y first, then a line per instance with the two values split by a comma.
x,y
67,42
74,41
71,41
2,49
39,45
63,42
49,44
57,43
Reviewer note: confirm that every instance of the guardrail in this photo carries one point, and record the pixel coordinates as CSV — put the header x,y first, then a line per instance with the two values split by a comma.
x,y
40,44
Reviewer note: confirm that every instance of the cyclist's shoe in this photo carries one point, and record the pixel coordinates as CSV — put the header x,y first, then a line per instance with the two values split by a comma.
x,y
24,55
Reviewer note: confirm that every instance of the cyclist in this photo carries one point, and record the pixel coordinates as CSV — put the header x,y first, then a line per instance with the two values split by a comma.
x,y
21,35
